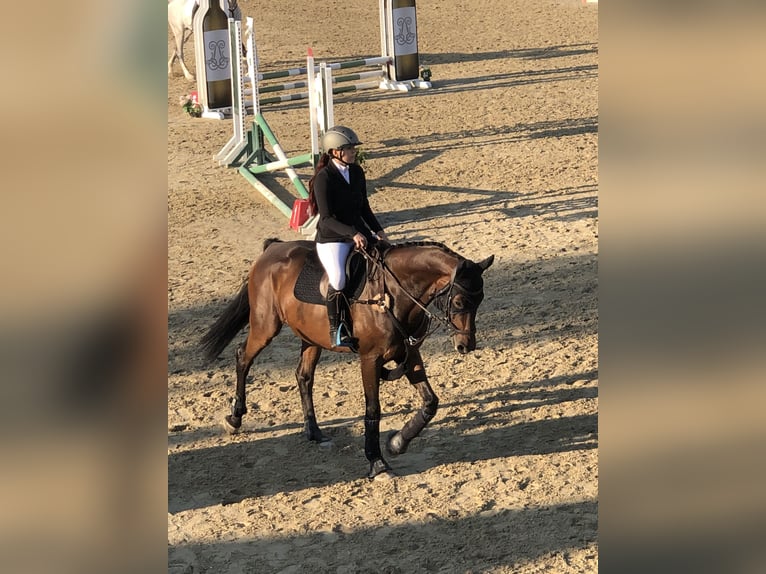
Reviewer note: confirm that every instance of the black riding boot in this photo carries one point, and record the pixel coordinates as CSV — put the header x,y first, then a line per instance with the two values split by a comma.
x,y
340,331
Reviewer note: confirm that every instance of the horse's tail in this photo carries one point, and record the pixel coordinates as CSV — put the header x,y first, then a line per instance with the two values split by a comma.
x,y
231,321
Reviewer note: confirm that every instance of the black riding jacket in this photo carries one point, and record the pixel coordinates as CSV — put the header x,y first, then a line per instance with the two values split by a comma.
x,y
343,207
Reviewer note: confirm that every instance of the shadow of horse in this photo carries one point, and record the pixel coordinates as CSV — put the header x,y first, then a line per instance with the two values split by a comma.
x,y
244,469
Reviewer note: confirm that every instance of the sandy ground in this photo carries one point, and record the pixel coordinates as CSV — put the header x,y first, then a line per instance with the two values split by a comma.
x,y
500,157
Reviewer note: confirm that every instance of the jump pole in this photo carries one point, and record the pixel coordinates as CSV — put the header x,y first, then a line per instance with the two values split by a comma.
x,y
239,145
399,61
398,32
374,79
279,152
319,102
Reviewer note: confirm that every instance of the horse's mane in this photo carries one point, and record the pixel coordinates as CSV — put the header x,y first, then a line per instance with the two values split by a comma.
x,y
269,241
436,244
392,246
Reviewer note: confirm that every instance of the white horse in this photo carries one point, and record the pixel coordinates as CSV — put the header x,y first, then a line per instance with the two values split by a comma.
x,y
180,16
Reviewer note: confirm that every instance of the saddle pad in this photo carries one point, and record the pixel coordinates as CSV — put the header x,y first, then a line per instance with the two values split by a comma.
x,y
307,285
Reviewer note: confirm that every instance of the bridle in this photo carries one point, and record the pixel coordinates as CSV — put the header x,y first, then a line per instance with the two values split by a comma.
x,y
442,299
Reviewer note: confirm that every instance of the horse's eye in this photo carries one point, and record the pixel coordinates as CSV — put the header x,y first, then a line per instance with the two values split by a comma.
x,y
458,303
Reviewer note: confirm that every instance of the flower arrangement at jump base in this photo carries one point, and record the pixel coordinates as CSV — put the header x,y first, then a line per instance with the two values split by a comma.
x,y
191,105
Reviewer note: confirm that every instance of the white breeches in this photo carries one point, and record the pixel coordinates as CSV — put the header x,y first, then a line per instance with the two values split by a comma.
x,y
333,257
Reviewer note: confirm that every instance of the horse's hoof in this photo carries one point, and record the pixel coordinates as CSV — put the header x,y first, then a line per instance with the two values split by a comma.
x,y
322,440
395,444
384,476
229,425
380,468
315,435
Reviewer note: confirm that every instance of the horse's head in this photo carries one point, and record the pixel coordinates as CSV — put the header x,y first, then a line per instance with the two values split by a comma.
x,y
461,300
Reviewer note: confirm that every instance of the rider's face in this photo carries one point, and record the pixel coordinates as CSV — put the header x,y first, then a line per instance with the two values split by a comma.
x,y
347,154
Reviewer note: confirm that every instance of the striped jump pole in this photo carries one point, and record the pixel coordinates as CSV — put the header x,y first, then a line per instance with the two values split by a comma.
x,y
377,61
398,63
282,164
250,172
305,83
395,67
369,80
261,131
260,121
305,95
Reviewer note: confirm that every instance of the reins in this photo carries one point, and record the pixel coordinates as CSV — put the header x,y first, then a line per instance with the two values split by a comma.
x,y
412,340
429,316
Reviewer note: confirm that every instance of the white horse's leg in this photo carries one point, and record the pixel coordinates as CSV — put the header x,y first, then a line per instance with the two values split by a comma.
x,y
180,19
187,74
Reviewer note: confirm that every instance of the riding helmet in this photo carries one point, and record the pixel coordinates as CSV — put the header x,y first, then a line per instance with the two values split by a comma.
x,y
338,137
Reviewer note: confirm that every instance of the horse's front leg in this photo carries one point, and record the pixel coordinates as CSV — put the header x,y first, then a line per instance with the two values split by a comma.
x,y
305,376
371,368
416,373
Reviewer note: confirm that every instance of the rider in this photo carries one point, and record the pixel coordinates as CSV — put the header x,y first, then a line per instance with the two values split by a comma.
x,y
338,191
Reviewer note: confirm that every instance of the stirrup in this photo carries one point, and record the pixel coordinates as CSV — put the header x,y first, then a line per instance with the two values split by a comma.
x,y
343,339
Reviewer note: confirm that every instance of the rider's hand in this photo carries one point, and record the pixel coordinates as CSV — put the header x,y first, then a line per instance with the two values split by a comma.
x,y
382,236
360,241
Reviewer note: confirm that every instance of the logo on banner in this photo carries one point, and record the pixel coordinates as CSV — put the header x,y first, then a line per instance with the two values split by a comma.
x,y
217,55
405,31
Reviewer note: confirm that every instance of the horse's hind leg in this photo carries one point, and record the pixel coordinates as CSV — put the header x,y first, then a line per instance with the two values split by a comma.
x,y
180,37
180,51
170,63
258,339
399,440
305,376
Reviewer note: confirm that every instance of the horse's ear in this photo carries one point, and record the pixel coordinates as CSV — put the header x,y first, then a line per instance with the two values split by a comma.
x,y
486,263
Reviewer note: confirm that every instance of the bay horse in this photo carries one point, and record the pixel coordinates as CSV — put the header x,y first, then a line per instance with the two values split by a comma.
x,y
390,320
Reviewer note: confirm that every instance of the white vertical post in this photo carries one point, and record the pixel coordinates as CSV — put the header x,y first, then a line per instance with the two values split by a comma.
x,y
314,103
384,33
252,63
199,51
325,75
237,142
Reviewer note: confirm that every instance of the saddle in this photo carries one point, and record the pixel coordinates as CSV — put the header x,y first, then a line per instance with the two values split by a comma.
x,y
311,285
